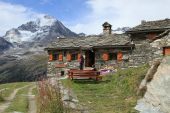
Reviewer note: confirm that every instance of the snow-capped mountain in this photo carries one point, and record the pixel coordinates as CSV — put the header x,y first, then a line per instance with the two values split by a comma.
x,y
44,29
120,30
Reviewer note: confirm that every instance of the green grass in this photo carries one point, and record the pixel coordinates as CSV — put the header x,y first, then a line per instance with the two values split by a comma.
x,y
9,88
20,102
115,94
34,91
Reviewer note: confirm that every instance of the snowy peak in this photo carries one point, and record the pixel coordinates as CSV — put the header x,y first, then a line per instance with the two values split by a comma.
x,y
120,30
29,26
44,29
46,21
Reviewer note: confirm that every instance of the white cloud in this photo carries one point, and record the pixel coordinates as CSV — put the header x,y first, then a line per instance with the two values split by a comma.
x,y
12,15
120,13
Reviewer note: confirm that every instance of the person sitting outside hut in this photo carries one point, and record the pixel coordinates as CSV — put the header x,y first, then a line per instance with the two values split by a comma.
x,y
81,62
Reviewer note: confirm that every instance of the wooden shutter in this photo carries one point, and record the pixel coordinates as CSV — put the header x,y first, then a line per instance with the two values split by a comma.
x,y
78,58
166,51
105,56
119,56
50,57
69,57
60,57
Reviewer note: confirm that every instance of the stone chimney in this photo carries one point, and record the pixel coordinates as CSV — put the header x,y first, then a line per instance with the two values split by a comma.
x,y
143,21
107,28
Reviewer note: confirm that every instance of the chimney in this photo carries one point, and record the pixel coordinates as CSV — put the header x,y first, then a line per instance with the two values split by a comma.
x,y
143,21
107,28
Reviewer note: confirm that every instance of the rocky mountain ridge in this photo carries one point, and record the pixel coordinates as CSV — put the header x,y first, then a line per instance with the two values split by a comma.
x,y
120,30
44,29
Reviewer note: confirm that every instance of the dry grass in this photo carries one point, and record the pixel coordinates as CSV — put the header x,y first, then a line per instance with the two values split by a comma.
x,y
49,98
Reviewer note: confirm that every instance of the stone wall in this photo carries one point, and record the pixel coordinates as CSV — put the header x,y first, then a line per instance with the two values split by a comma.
x,y
100,63
146,51
55,67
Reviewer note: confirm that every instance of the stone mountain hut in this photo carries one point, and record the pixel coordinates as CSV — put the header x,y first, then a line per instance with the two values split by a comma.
x,y
99,51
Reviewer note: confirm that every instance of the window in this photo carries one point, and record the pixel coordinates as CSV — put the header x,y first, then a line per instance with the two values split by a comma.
x,y
74,56
112,56
55,56
98,56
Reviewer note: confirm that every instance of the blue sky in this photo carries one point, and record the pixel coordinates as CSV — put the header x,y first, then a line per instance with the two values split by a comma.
x,y
83,15
66,10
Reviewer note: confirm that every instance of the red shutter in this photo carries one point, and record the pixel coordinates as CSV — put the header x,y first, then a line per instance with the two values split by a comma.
x,y
119,56
105,56
60,57
68,57
166,51
50,57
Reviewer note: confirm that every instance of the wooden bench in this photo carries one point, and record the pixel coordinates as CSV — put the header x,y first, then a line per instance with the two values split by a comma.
x,y
84,74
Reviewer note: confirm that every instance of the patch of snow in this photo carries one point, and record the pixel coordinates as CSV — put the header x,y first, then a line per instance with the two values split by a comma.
x,y
117,32
27,35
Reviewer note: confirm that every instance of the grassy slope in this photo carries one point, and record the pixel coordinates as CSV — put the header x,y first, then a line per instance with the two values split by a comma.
x,y
9,88
116,94
20,103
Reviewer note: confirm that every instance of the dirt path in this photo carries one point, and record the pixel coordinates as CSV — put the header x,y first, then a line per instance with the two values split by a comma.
x,y
32,101
8,101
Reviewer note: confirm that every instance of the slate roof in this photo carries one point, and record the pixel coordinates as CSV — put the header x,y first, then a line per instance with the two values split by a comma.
x,y
90,41
147,26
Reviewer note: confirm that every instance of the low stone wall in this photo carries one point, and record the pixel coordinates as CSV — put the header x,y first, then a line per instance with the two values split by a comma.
x,y
65,66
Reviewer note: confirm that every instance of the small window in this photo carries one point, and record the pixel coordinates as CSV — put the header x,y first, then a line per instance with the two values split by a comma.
x,y
55,56
74,56
112,56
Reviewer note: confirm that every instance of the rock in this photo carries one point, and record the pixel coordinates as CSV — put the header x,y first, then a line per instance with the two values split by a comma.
x,y
156,98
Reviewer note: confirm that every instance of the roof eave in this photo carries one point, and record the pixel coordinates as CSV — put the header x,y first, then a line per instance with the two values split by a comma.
x,y
146,30
68,48
113,46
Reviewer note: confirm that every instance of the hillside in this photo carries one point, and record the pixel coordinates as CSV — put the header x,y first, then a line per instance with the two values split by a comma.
x,y
116,93
29,68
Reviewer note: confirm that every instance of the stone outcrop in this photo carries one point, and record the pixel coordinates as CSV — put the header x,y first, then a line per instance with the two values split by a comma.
x,y
156,98
68,97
